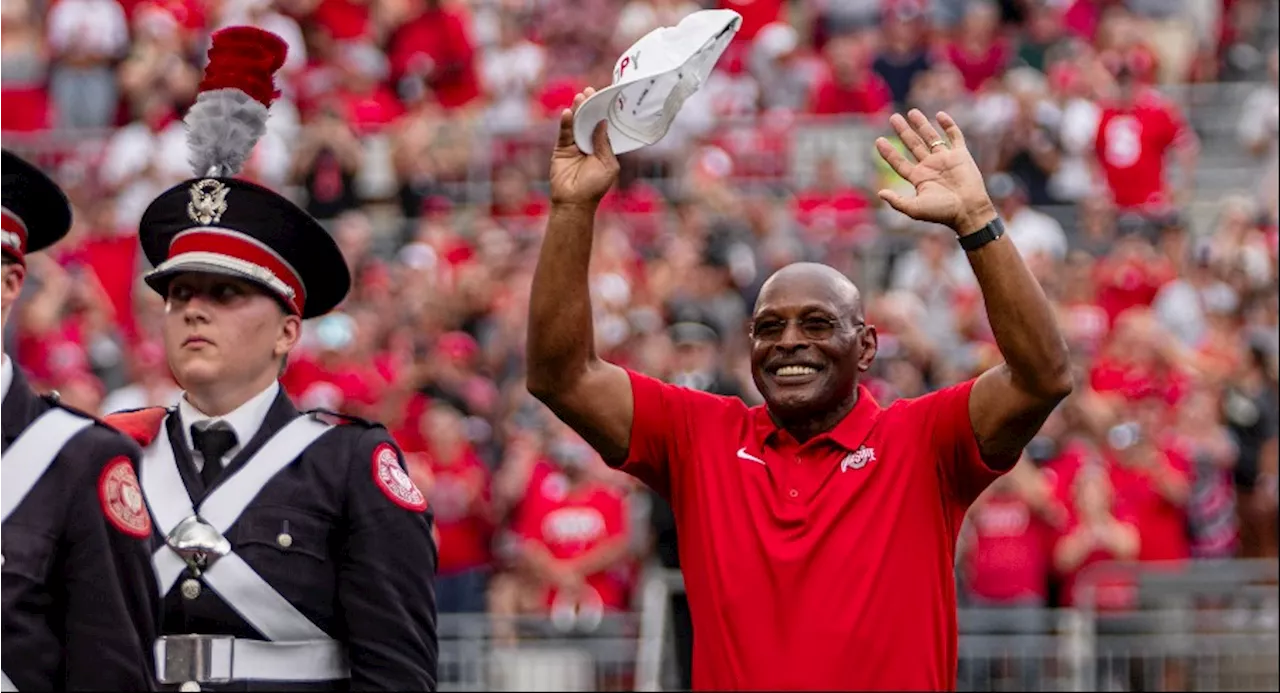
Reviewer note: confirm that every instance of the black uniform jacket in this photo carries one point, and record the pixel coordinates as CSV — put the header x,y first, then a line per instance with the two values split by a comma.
x,y
80,606
360,566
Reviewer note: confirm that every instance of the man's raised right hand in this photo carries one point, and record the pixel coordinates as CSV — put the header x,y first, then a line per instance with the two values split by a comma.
x,y
578,178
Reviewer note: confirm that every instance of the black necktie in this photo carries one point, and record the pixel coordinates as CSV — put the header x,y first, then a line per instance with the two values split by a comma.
x,y
213,442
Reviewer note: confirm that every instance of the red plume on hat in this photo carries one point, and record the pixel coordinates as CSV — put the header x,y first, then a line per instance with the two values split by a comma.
x,y
230,113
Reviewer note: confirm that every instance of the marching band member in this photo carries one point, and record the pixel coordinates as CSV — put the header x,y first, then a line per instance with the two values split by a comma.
x,y
293,552
80,607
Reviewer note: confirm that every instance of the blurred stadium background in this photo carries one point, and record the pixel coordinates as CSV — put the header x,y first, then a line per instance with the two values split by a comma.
x,y
1131,146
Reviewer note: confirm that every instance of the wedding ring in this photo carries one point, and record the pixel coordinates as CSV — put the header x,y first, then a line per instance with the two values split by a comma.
x,y
937,143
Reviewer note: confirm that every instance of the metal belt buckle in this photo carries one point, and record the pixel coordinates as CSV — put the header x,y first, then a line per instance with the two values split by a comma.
x,y
199,658
198,543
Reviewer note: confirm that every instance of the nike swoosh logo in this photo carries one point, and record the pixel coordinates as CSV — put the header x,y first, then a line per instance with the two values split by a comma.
x,y
744,455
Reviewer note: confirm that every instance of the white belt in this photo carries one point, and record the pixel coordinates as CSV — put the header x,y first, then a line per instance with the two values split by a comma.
x,y
223,658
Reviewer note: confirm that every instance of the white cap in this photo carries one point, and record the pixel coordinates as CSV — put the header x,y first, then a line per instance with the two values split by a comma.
x,y
653,78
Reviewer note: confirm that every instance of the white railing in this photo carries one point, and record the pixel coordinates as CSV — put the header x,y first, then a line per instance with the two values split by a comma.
x,y
1207,626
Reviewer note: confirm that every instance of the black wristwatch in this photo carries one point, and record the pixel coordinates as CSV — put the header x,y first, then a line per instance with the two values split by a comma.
x,y
982,236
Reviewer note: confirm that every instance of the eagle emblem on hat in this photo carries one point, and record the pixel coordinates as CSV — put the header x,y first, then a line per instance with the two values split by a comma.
x,y
208,202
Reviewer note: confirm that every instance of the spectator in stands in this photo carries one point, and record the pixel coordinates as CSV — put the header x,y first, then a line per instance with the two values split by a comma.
x,y
1183,304
1097,530
903,54
1199,437
24,69
698,360
512,73
367,104
785,73
1043,33
1259,133
1137,130
1251,408
460,499
145,157
979,51
852,87
157,63
1039,237
85,38
1004,552
432,56
326,162
574,536
639,17
1154,484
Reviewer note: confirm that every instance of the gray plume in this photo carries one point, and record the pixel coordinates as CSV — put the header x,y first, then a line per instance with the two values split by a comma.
x,y
222,127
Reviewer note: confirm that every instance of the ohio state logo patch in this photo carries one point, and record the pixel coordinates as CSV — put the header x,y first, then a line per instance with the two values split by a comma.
x,y
393,480
121,498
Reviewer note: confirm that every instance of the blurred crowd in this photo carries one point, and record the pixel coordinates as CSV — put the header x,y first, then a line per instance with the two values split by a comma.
x,y
417,131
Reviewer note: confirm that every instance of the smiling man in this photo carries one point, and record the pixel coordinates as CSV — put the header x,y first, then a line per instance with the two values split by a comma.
x,y
817,532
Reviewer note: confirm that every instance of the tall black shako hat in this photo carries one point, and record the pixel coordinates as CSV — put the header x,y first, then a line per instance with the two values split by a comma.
x,y
34,214
219,224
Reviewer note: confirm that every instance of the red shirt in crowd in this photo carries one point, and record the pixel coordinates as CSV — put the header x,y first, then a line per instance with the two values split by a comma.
x,y
977,68
756,15
823,565
1131,145
460,494
842,209
869,95
1009,558
344,20
570,521
437,46
1161,524
1130,282
1112,591
113,260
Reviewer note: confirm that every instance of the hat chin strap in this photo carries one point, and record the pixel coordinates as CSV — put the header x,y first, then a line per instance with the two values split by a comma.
x,y
234,265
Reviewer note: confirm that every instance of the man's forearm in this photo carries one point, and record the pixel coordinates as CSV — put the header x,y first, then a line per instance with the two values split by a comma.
x,y
561,335
1021,319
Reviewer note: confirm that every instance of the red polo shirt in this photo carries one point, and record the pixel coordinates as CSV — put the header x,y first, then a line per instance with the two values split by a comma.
x,y
827,565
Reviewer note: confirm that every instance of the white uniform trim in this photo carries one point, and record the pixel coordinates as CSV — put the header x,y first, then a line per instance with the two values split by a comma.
x,y
32,453
30,456
230,576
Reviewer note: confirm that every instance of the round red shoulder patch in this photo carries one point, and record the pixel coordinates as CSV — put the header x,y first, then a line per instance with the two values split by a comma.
x,y
393,480
121,497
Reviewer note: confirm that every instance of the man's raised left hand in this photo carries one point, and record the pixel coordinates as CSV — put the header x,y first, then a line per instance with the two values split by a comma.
x,y
949,186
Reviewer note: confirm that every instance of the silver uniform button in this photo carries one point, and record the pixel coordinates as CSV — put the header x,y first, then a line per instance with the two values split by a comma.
x,y
284,539
191,590
189,687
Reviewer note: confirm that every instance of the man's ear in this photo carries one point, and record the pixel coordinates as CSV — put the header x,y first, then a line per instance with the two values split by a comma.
x,y
14,274
290,333
870,343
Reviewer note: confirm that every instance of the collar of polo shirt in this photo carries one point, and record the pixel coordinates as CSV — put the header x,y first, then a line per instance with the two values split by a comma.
x,y
849,433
